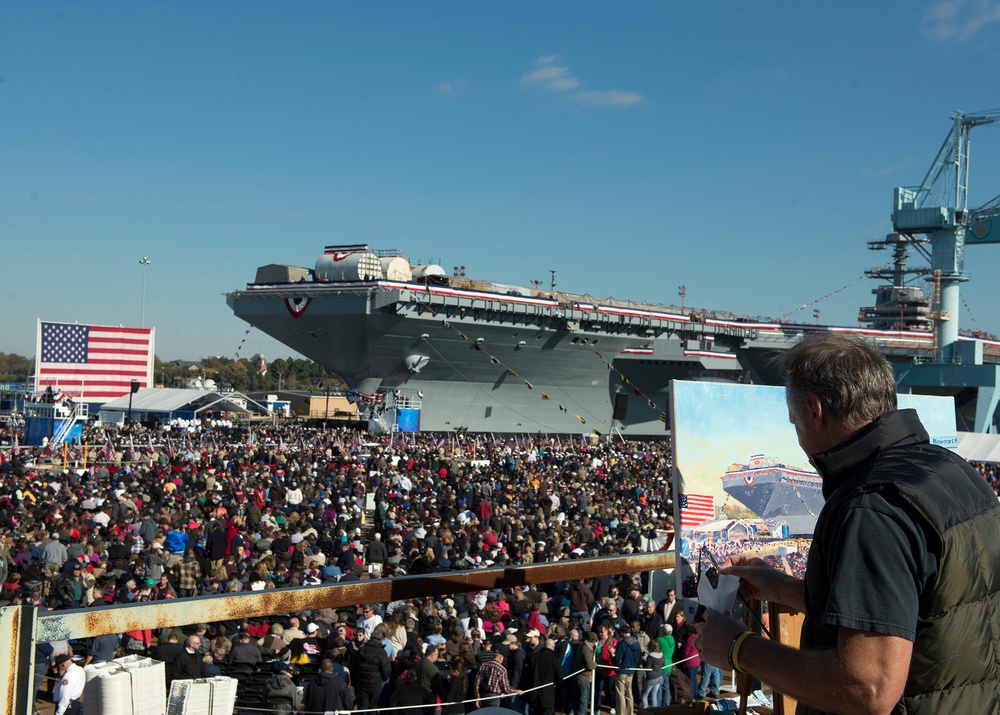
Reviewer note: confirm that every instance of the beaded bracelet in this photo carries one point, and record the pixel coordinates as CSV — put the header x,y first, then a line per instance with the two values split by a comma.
x,y
734,650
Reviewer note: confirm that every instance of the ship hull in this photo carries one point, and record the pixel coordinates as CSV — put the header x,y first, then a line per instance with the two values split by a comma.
x,y
513,368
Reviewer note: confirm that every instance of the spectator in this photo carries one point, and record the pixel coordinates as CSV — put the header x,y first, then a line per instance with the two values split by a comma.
x,y
244,655
280,692
102,649
491,682
546,676
625,655
370,670
327,692
188,663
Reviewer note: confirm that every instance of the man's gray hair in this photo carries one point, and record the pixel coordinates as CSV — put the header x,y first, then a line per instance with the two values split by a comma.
x,y
852,380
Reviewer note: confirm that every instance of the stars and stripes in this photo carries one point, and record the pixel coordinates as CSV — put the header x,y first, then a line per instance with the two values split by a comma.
x,y
695,509
95,362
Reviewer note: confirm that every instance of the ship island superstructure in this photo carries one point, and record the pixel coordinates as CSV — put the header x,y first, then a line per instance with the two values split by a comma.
x,y
423,350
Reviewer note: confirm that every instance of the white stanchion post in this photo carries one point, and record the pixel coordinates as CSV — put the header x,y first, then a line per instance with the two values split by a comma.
x,y
593,689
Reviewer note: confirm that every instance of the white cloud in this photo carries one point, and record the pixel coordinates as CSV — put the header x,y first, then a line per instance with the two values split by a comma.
x,y
451,86
608,98
890,169
554,75
960,19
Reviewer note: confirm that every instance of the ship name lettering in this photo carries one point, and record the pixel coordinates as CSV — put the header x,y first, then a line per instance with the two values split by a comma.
x,y
734,332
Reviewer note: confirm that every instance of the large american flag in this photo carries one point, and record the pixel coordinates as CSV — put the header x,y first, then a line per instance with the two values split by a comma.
x,y
696,509
93,362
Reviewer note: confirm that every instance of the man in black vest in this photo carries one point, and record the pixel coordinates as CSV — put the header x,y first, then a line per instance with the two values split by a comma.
x,y
899,596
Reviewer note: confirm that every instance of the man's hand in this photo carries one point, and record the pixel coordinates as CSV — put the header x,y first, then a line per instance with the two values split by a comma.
x,y
761,581
753,572
715,636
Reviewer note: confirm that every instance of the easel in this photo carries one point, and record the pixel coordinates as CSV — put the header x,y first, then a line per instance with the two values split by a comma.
x,y
786,628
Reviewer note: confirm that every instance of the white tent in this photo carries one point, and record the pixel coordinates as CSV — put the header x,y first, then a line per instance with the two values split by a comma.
x,y
165,401
978,447
733,528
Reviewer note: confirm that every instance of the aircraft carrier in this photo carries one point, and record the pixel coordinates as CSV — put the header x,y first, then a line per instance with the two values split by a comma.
x,y
427,351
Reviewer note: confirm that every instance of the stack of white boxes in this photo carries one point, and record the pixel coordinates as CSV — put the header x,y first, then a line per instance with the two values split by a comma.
x,y
132,685
205,696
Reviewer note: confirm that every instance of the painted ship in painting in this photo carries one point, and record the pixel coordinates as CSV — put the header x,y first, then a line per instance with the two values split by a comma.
x,y
787,498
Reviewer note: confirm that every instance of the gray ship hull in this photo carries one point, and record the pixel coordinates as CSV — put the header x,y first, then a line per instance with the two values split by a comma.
x,y
473,362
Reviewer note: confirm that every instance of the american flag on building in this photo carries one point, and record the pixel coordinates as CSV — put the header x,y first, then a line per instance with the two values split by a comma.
x,y
696,509
95,363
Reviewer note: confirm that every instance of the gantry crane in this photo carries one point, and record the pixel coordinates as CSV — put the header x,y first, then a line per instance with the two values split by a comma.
x,y
938,208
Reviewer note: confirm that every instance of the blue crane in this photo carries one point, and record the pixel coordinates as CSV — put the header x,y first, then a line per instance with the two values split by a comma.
x,y
938,208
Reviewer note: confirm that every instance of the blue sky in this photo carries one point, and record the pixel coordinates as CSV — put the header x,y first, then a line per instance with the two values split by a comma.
x,y
745,150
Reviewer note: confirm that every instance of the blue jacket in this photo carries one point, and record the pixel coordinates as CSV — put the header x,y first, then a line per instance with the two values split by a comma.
x,y
627,654
177,541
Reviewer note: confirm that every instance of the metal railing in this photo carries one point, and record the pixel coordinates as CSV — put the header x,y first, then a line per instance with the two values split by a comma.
x,y
80,411
21,627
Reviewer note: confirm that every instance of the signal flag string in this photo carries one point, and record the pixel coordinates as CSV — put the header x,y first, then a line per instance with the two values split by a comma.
x,y
497,361
562,408
834,292
239,347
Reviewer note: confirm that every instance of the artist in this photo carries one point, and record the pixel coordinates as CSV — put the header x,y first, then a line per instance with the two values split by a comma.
x,y
902,588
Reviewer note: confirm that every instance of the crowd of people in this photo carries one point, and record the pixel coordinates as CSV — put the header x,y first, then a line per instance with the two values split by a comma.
x,y
238,509
553,649
144,515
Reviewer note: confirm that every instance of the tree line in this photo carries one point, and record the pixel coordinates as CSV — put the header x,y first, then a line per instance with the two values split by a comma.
x,y
243,374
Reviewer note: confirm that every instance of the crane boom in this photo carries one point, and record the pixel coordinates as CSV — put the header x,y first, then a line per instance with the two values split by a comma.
x,y
984,223
941,200
938,208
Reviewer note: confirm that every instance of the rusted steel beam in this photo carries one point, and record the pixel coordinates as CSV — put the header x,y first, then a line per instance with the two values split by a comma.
x,y
81,623
17,658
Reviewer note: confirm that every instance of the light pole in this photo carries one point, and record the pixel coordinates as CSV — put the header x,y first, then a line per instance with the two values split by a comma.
x,y
142,315
682,291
